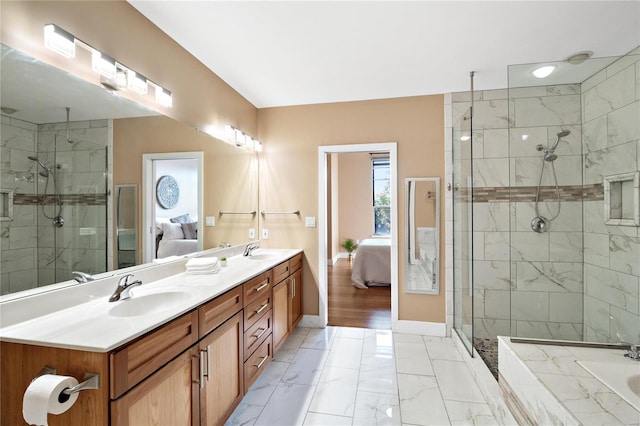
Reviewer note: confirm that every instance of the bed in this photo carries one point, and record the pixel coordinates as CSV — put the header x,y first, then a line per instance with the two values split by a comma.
x,y
175,239
372,263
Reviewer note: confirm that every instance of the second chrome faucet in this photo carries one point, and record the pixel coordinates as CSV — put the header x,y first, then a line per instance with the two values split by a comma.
x,y
124,288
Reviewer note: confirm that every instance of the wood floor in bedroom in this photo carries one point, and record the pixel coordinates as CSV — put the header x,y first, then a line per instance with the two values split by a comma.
x,y
353,307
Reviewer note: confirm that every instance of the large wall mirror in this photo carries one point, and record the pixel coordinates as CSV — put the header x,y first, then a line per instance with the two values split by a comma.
x,y
422,235
62,167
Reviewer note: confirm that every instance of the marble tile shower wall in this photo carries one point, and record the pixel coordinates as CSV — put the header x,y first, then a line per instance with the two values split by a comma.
x,y
526,284
18,238
611,113
81,165
28,256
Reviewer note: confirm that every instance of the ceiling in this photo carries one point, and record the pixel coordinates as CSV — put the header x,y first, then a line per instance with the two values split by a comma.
x,y
278,53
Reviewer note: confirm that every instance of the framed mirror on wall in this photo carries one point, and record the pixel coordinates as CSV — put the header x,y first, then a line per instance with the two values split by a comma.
x,y
422,235
66,166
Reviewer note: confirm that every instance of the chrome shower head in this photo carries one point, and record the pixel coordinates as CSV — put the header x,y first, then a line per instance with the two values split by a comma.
x,y
549,153
45,170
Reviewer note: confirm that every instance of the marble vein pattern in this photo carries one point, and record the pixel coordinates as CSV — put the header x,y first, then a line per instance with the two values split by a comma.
x,y
373,391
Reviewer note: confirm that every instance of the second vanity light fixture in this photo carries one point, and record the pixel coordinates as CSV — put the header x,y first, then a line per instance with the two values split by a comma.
x,y
115,75
240,139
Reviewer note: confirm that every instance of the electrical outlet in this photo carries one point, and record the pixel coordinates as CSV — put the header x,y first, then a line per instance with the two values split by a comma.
x,y
210,221
310,222
252,233
265,234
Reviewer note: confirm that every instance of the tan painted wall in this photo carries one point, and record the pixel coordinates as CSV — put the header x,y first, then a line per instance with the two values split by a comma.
x,y
230,174
200,98
354,187
289,173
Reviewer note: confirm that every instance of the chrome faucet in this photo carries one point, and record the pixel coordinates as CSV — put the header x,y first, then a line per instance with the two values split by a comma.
x,y
82,277
250,248
633,352
124,288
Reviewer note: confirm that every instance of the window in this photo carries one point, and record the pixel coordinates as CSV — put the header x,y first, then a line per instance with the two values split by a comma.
x,y
381,196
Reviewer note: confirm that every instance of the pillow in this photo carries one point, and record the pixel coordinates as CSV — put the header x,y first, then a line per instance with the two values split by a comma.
x,y
185,218
190,230
159,222
172,231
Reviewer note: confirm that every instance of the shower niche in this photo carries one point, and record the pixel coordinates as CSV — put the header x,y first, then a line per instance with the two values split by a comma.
x,y
622,199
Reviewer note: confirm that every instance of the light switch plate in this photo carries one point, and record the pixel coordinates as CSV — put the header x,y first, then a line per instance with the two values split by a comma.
x,y
310,222
252,233
210,221
265,234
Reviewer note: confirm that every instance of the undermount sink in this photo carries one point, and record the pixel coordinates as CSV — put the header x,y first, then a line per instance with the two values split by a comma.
x,y
148,303
621,377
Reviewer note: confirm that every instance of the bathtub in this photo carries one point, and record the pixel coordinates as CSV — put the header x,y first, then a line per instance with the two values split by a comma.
x,y
551,382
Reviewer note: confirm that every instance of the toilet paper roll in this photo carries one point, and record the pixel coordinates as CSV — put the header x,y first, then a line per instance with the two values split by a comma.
x,y
41,398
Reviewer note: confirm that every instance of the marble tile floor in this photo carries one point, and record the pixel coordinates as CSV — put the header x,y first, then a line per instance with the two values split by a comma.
x,y
355,376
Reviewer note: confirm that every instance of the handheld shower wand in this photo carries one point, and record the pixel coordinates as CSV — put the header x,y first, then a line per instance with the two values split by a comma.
x,y
45,170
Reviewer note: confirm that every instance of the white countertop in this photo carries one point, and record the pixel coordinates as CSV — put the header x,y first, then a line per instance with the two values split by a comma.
x,y
89,324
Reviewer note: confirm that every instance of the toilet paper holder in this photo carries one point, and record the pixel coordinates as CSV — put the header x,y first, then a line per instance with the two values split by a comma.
x,y
89,381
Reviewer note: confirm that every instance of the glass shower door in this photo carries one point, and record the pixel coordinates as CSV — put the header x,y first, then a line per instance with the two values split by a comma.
x,y
463,229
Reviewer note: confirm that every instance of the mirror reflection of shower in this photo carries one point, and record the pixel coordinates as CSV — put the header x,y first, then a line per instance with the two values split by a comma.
x,y
50,175
540,223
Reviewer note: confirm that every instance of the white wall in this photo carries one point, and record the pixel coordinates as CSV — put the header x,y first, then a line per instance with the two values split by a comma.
x,y
185,172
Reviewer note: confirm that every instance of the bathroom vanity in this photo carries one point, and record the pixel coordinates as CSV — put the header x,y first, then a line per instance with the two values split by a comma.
x,y
183,350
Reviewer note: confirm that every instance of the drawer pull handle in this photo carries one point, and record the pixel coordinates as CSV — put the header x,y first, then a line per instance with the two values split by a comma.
x,y
262,308
257,336
264,358
202,362
262,286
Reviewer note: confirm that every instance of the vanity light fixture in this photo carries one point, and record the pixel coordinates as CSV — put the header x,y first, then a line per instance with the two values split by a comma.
x,y
60,41
114,76
163,96
137,82
103,64
543,71
240,139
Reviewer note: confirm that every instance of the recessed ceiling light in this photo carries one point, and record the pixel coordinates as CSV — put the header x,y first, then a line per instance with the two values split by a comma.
x,y
580,57
543,71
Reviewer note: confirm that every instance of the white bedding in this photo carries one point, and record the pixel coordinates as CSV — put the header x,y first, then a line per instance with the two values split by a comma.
x,y
168,248
372,263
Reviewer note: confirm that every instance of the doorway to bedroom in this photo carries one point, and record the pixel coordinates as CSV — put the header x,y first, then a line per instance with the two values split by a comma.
x,y
358,204
172,207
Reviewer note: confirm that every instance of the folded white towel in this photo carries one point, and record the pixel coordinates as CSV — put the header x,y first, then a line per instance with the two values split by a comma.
x,y
201,262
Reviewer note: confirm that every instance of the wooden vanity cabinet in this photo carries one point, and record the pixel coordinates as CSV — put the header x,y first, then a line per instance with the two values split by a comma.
x,y
221,371
193,370
170,396
287,299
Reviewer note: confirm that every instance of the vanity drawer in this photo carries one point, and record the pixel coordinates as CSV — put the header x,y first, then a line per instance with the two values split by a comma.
x,y
280,272
220,309
257,363
295,263
255,310
257,334
139,359
257,287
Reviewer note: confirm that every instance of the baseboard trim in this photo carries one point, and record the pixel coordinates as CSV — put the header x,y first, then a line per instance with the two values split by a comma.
x,y
438,329
311,321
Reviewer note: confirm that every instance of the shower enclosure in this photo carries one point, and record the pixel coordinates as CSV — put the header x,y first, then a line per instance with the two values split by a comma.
x,y
550,255
58,178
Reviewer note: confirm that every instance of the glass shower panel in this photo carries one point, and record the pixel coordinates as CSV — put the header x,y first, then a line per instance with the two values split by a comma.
x,y
463,229
72,221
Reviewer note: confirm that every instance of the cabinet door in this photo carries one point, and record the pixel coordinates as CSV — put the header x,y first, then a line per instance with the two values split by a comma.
x,y
280,312
221,371
168,397
295,299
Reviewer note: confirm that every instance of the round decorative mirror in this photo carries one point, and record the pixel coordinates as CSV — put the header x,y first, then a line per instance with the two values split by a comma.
x,y
167,192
